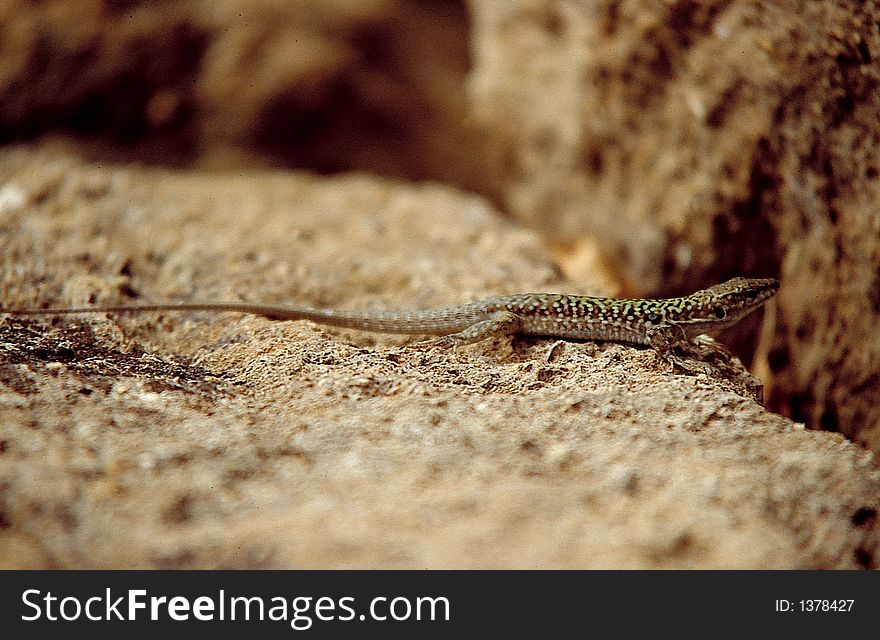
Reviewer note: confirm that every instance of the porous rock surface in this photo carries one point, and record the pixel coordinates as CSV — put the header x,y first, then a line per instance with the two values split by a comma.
x,y
222,440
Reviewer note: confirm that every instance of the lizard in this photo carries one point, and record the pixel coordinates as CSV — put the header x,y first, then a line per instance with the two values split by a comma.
x,y
662,324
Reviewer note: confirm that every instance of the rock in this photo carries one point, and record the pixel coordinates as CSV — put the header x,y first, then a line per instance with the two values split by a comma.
x,y
221,440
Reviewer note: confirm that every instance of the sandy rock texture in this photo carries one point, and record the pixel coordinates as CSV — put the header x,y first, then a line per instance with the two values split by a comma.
x,y
203,440
696,139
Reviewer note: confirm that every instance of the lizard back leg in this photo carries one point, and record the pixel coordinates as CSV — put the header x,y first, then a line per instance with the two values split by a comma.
x,y
500,323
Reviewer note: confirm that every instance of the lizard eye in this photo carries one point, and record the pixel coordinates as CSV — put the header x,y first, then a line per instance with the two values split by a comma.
x,y
653,317
719,312
752,294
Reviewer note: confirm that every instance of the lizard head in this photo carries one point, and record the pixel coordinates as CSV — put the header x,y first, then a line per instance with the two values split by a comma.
x,y
717,307
727,303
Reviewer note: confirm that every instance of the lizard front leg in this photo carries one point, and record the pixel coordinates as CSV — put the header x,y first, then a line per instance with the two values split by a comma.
x,y
664,338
